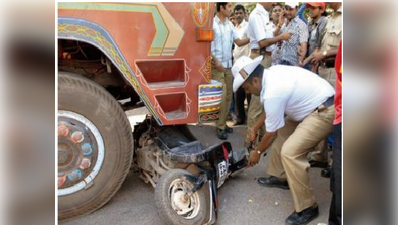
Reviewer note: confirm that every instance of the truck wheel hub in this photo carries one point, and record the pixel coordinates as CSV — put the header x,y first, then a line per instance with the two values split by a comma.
x,y
80,152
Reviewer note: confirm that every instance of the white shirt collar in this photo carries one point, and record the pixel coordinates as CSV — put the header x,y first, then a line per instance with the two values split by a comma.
x,y
261,9
219,21
241,24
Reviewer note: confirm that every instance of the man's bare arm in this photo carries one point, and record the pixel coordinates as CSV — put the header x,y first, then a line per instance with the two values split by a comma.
x,y
270,41
242,42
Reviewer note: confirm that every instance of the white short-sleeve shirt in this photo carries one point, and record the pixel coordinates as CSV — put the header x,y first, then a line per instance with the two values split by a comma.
x,y
242,34
259,26
291,91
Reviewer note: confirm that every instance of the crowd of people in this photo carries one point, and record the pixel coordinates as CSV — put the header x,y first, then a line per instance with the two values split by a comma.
x,y
284,61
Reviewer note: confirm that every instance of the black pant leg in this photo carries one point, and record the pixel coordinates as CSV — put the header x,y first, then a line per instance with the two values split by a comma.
x,y
249,98
240,96
335,182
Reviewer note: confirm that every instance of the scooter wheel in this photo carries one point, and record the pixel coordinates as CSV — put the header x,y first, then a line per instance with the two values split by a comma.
x,y
175,205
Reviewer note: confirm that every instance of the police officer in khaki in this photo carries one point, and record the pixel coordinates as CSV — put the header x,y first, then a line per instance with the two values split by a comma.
x,y
324,58
330,44
261,37
298,114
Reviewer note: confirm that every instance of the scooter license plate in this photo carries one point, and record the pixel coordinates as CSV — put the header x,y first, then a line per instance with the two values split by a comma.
x,y
222,171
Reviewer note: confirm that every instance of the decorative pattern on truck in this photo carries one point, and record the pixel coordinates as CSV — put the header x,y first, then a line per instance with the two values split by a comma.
x,y
205,70
168,34
200,13
209,101
78,29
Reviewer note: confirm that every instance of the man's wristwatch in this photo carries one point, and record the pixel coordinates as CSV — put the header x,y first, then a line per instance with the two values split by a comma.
x,y
325,53
258,151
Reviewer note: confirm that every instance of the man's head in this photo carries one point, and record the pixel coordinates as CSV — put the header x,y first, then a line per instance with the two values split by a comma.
x,y
335,5
254,83
248,74
240,13
267,5
291,10
277,9
232,18
316,9
224,8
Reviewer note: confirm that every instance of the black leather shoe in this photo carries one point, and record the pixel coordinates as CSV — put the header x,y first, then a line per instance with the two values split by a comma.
x,y
228,129
327,172
273,182
222,134
314,163
303,217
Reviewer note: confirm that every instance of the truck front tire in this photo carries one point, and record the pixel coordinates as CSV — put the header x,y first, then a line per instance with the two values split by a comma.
x,y
95,146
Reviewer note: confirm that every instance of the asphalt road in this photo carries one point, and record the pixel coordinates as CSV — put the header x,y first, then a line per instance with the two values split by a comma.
x,y
241,199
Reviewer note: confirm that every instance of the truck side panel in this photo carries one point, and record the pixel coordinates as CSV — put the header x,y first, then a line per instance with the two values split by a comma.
x,y
154,46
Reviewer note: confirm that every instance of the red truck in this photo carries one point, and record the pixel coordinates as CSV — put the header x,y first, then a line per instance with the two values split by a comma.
x,y
113,57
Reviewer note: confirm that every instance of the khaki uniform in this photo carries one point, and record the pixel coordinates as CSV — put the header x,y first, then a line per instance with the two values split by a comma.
x,y
288,153
256,108
226,79
330,40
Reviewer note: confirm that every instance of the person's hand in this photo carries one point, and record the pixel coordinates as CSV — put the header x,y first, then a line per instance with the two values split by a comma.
x,y
286,36
317,57
281,18
253,158
300,63
307,60
218,65
314,68
253,134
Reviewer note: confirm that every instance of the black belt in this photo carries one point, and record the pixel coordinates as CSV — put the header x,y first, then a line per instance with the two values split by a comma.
x,y
261,52
329,64
329,102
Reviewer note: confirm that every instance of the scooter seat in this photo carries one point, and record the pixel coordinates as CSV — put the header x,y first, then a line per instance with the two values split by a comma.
x,y
192,152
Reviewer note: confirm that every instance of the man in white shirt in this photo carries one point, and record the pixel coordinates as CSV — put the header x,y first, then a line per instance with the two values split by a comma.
x,y
225,35
241,27
240,96
260,31
299,113
261,38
